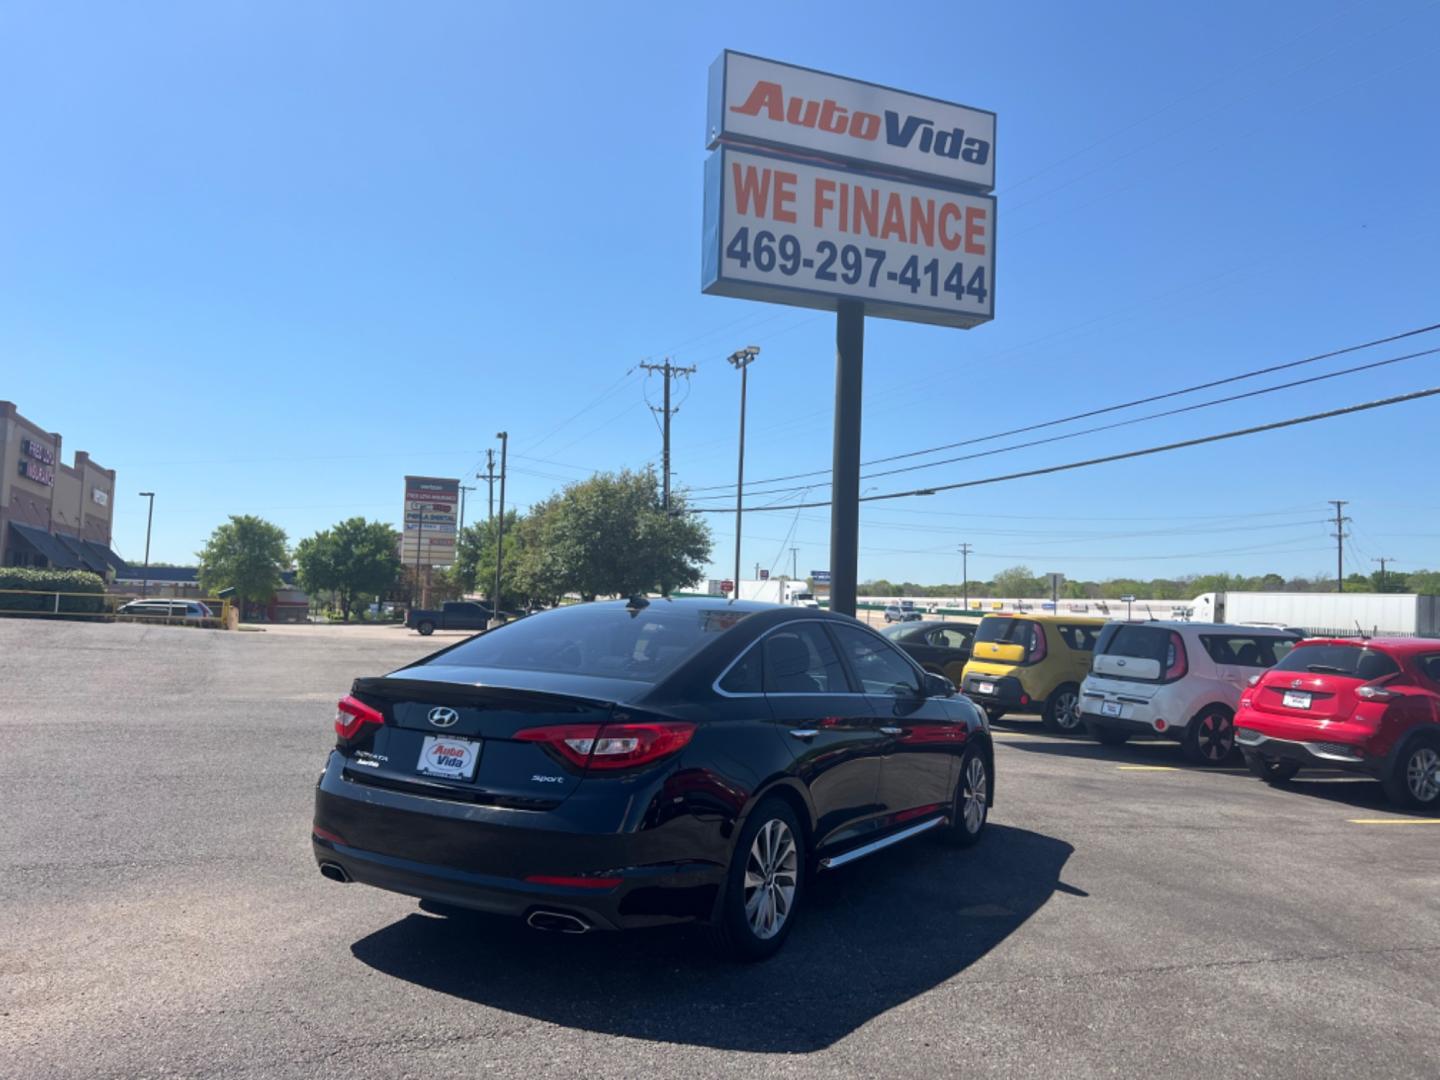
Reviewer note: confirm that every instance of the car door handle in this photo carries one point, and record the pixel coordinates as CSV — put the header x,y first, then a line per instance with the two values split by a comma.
x,y
804,732
891,730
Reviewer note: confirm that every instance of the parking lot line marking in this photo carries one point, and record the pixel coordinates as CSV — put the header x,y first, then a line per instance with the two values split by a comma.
x,y
1147,768
1013,735
1393,821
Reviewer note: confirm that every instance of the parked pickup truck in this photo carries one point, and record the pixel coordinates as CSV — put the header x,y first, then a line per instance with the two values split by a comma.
x,y
453,615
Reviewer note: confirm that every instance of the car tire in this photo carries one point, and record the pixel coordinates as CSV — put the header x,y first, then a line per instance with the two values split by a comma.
x,y
1413,781
1062,710
1108,736
766,879
425,627
970,808
1210,736
1270,770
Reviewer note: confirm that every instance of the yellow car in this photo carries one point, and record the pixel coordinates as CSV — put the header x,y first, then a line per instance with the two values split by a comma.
x,y
1031,663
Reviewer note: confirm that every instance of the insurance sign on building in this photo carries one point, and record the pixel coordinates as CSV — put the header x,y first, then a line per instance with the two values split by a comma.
x,y
431,513
823,188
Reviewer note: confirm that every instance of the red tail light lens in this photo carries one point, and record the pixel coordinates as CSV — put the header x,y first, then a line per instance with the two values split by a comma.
x,y
611,746
1374,693
1037,649
351,715
1179,663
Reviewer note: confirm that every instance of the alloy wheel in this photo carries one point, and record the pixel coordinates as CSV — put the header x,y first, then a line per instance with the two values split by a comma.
x,y
1422,774
1067,711
1216,736
975,795
771,874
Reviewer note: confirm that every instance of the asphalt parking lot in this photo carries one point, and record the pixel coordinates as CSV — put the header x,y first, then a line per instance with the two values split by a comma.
x,y
1126,915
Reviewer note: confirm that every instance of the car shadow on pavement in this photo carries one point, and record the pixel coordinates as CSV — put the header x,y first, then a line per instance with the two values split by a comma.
x,y
875,934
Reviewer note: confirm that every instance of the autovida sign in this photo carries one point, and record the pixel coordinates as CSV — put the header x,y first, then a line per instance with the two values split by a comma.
x,y
822,189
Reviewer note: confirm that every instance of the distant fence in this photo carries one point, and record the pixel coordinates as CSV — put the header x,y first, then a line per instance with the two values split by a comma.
x,y
213,612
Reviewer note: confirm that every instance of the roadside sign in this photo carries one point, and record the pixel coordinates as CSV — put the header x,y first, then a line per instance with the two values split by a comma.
x,y
429,521
764,575
1127,599
727,586
780,105
820,577
812,234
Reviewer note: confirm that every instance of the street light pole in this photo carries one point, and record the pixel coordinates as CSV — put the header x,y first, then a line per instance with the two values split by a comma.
x,y
149,520
504,438
742,360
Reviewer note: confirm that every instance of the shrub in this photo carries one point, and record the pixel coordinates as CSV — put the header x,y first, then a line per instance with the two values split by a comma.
x,y
81,591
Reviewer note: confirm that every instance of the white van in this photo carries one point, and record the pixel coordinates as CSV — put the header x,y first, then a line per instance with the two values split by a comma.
x,y
1177,680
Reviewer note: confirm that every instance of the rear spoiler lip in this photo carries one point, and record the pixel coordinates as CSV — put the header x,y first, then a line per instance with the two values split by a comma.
x,y
470,693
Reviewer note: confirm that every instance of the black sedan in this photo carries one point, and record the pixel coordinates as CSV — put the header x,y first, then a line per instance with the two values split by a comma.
x,y
937,646
627,764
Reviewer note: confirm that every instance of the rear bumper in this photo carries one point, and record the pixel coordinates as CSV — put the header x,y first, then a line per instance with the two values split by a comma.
x,y
1323,754
1006,693
1130,724
481,857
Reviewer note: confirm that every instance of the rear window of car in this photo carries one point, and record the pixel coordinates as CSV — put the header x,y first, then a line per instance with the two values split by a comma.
x,y
602,640
1246,650
1141,642
1348,661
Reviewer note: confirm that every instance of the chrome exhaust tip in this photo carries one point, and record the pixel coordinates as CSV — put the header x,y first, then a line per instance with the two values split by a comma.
x,y
335,872
559,922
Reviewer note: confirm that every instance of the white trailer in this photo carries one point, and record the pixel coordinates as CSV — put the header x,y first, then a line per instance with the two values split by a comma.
x,y
1319,614
773,591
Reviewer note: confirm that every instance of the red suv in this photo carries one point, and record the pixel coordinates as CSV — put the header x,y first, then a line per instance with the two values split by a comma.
x,y
1372,706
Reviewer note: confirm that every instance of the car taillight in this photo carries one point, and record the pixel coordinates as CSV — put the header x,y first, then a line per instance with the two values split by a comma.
x,y
1037,649
1179,662
351,715
611,746
1374,693
1254,680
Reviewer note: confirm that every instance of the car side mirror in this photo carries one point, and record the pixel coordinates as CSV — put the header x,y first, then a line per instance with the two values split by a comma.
x,y
938,686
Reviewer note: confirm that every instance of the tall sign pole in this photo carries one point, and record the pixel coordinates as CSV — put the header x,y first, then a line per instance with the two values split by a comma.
x,y
845,459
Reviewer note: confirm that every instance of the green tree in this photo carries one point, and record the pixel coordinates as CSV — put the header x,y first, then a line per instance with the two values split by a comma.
x,y
352,559
474,569
1423,581
609,535
1020,582
246,554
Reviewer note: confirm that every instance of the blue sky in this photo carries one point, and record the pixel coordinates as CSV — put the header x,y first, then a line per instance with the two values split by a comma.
x,y
270,258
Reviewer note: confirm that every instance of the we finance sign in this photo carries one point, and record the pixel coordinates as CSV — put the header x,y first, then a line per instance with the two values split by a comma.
x,y
795,232
758,101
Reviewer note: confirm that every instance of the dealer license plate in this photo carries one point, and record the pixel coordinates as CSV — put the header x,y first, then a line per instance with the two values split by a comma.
x,y
1297,701
985,688
448,757
1109,708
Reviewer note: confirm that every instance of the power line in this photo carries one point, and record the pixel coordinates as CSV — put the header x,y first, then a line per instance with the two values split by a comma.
x,y
1276,425
1110,408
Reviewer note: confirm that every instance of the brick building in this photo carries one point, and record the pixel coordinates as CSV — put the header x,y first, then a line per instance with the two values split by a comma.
x,y
52,514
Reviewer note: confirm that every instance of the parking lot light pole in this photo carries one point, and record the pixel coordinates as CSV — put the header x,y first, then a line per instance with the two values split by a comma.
x,y
504,438
149,520
742,360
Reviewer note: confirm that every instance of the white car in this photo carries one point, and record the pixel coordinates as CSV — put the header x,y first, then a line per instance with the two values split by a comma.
x,y
1177,680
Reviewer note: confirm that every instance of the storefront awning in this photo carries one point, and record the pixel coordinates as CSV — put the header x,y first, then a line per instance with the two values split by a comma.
x,y
56,553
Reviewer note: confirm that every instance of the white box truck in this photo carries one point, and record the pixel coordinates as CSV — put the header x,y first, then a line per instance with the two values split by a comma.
x,y
1322,614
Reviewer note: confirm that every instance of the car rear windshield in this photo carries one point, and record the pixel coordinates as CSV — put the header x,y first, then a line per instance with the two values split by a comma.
x,y
1009,632
599,639
1141,642
1349,661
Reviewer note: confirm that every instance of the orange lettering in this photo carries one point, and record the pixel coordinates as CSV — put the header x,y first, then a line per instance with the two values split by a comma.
x,y
948,240
784,197
750,188
824,189
975,230
867,210
894,218
922,221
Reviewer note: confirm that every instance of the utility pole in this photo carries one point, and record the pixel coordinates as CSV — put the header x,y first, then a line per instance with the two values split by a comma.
x,y
668,371
489,477
149,519
504,438
1339,544
965,550
742,359
463,489
1382,560
794,564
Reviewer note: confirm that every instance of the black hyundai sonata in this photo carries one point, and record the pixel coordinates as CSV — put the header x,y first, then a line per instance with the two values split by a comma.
x,y
626,764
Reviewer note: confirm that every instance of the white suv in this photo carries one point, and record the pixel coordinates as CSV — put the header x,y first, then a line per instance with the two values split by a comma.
x,y
1178,680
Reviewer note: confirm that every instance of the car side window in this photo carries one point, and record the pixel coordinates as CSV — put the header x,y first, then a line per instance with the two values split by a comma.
x,y
947,638
880,668
1430,668
1079,638
1253,652
800,660
744,676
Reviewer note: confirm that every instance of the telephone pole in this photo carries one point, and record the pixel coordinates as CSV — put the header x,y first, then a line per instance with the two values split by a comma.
x,y
668,371
1382,560
504,438
742,359
794,564
489,477
463,489
1339,535
965,550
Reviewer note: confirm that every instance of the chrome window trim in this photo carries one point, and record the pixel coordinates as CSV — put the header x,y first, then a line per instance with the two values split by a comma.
x,y
783,693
